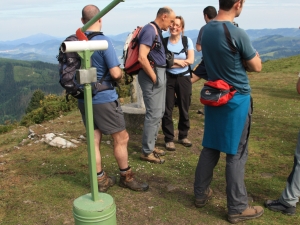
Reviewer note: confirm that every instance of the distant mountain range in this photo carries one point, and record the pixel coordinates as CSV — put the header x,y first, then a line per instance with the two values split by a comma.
x,y
270,43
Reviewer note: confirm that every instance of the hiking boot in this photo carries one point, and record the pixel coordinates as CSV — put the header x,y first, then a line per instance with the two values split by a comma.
x,y
200,112
152,157
170,146
276,206
127,181
159,152
251,212
105,182
185,142
201,202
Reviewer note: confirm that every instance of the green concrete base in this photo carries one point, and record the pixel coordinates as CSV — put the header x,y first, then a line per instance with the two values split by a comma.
x,y
87,212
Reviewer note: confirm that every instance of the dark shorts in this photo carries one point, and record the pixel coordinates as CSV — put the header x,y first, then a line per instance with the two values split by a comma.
x,y
200,70
108,117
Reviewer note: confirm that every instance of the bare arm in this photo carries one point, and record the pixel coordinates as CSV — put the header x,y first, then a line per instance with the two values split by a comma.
x,y
178,63
195,78
198,47
144,62
298,86
254,64
116,73
191,57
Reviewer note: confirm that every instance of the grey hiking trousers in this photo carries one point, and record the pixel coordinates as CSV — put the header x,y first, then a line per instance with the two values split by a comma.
x,y
237,199
290,195
154,96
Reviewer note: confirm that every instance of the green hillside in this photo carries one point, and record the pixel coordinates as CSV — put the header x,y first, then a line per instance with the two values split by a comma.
x,y
284,65
277,46
39,182
18,80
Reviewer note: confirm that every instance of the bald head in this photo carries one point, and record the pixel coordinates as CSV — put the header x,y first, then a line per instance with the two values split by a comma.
x,y
165,17
164,10
88,12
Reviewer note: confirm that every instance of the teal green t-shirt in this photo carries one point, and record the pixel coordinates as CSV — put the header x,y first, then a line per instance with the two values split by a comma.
x,y
220,62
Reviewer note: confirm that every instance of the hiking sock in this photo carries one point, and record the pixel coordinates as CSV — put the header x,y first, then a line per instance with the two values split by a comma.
x,y
122,171
100,174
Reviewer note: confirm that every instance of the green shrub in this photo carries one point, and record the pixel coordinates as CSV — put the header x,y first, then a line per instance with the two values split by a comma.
x,y
52,106
6,128
35,101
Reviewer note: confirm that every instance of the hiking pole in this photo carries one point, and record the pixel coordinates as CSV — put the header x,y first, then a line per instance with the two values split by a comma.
x,y
80,32
96,208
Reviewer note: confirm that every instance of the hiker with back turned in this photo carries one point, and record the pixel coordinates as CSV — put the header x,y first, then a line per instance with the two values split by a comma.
x,y
108,116
209,13
228,54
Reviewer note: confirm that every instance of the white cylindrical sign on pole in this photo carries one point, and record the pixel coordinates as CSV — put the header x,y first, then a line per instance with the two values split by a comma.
x,y
78,46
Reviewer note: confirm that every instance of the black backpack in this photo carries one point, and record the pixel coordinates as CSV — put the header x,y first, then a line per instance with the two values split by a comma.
x,y
185,48
68,64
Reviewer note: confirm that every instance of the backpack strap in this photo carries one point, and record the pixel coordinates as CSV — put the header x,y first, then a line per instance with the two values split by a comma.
x,y
185,49
154,44
113,83
230,44
93,34
166,40
154,26
163,42
156,36
160,34
185,44
104,75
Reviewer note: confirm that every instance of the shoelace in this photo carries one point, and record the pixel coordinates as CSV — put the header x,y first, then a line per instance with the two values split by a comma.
x,y
276,202
156,155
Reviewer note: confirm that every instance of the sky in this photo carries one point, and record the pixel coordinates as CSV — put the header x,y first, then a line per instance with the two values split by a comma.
x,y
60,18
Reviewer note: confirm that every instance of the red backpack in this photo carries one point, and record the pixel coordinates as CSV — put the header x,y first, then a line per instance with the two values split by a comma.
x,y
131,52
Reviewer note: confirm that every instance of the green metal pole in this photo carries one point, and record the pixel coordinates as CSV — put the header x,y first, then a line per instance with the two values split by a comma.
x,y
86,59
90,140
95,208
101,14
88,106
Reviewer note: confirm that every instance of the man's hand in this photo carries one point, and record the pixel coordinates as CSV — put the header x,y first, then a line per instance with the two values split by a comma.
x,y
144,62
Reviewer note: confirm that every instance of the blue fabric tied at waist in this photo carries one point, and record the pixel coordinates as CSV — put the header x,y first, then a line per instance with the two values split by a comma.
x,y
224,124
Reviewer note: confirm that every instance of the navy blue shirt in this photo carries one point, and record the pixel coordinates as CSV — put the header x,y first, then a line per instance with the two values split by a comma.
x,y
147,37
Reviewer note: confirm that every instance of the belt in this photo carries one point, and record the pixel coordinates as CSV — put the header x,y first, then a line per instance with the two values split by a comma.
x,y
173,75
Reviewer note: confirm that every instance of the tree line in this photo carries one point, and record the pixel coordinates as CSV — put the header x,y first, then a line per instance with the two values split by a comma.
x,y
15,95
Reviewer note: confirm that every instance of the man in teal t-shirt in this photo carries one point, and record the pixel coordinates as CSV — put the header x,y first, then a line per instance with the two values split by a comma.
x,y
227,57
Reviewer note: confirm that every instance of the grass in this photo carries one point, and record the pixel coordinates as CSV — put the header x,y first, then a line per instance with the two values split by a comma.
x,y
39,183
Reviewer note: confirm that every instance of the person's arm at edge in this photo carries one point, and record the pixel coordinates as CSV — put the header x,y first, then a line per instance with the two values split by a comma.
x,y
298,86
198,47
194,78
144,62
254,64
